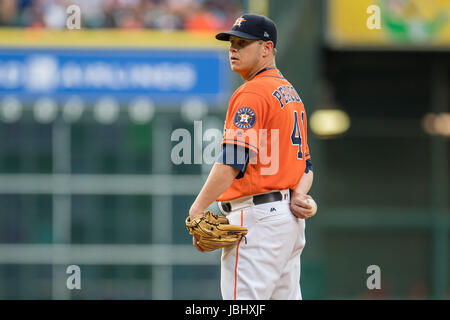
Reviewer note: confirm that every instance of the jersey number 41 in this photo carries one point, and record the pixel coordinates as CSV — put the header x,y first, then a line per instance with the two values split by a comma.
x,y
296,135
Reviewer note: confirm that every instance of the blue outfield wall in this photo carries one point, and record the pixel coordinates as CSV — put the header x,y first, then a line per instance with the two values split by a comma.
x,y
167,77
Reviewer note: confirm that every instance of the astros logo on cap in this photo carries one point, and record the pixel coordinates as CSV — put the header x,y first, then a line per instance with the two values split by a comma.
x,y
244,118
239,21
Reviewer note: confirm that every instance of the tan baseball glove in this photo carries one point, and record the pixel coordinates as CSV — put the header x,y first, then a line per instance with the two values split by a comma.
x,y
214,231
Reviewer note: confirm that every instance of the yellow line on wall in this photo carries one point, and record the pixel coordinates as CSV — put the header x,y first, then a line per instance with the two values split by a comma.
x,y
15,37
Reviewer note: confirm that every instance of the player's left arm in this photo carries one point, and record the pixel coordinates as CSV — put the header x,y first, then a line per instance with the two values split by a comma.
x,y
219,180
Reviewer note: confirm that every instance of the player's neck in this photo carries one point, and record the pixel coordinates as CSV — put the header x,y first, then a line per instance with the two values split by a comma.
x,y
250,75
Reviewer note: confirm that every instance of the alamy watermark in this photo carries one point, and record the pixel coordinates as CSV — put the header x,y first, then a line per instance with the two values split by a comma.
x,y
73,20
374,280
74,280
374,20
263,144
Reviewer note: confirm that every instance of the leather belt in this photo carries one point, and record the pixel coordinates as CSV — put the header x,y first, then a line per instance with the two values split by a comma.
x,y
257,199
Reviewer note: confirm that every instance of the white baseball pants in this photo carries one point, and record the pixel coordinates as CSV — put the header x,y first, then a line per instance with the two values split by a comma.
x,y
265,265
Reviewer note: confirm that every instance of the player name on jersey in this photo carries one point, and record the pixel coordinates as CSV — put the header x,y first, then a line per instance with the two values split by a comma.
x,y
285,94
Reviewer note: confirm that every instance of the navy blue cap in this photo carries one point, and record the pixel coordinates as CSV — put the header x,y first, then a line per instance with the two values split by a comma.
x,y
253,27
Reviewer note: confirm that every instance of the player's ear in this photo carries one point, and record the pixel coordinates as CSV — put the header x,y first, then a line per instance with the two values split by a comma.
x,y
268,47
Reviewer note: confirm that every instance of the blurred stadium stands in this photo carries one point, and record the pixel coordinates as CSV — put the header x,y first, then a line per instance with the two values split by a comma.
x,y
87,116
124,14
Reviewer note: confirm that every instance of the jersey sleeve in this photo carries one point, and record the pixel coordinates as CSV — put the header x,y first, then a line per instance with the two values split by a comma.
x,y
245,117
239,158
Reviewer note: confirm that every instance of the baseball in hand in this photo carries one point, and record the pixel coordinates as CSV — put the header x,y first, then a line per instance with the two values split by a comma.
x,y
313,204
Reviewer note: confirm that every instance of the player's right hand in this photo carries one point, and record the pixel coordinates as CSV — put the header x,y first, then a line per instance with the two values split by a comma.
x,y
299,207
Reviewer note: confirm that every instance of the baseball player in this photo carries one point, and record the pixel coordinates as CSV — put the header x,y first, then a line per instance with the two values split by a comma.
x,y
264,172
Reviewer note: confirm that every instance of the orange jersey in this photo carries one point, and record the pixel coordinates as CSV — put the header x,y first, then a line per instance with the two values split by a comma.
x,y
267,116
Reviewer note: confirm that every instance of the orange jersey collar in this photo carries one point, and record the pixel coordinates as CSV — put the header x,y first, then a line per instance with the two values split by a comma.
x,y
274,72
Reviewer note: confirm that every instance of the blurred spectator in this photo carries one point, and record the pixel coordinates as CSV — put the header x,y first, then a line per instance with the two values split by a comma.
x,y
8,12
202,20
152,14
